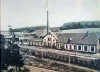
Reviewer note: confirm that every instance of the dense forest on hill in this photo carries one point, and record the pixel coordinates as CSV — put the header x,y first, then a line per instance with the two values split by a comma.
x,y
79,25
29,29
65,26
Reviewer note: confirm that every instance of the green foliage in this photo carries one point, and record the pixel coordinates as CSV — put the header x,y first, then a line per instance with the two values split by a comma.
x,y
2,52
78,25
14,57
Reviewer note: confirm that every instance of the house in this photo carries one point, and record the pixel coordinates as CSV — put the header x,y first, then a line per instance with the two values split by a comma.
x,y
40,33
81,42
48,40
36,42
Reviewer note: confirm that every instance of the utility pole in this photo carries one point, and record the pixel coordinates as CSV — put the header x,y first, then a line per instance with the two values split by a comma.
x,y
69,59
75,50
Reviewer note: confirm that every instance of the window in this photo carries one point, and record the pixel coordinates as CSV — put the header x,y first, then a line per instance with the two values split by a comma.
x,y
92,48
85,48
79,47
74,47
35,43
38,43
44,43
49,39
32,43
49,44
60,44
70,46
57,45
66,46
41,43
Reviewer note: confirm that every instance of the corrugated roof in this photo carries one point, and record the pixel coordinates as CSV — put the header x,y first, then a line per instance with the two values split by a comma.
x,y
35,39
41,32
54,34
80,38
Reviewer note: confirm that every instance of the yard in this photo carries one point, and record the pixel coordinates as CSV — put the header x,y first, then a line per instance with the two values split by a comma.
x,y
37,69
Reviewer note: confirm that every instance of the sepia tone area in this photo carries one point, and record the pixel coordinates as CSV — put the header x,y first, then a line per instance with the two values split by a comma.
x,y
62,37
36,69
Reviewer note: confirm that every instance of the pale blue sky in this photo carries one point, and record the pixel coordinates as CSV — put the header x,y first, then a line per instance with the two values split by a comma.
x,y
26,13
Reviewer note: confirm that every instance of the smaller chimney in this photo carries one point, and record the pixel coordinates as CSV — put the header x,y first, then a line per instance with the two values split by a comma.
x,y
70,39
87,33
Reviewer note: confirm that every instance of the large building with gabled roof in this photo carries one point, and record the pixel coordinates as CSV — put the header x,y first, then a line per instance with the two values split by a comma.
x,y
80,42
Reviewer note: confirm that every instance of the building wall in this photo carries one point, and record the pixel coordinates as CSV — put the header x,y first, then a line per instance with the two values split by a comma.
x,y
59,45
49,39
87,48
75,47
98,46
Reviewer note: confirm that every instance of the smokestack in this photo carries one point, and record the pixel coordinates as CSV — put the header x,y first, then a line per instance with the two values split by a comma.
x,y
46,6
47,23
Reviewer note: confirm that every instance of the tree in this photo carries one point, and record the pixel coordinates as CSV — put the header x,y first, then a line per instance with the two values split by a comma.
x,y
14,57
2,51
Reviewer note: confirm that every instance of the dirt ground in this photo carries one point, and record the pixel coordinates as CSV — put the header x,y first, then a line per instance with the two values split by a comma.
x,y
37,69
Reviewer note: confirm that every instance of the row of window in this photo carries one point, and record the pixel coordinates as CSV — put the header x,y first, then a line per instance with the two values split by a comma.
x,y
39,43
85,48
49,39
36,43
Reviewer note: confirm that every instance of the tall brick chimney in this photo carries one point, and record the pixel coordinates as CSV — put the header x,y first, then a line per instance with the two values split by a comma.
x,y
47,22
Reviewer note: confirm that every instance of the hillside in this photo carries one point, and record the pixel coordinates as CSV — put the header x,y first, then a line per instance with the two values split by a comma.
x,y
84,30
33,28
79,25
29,29
65,26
